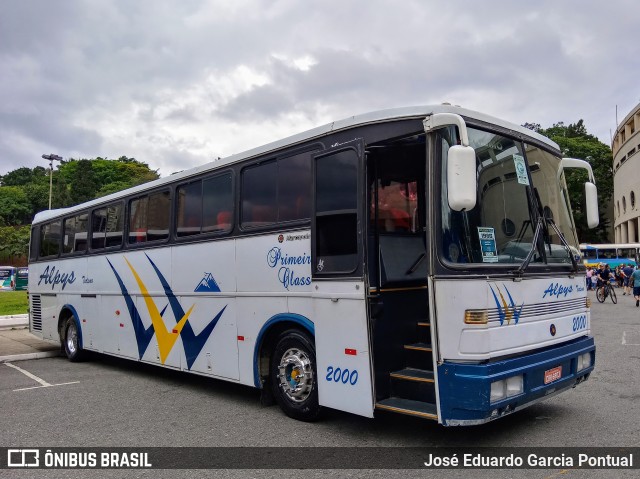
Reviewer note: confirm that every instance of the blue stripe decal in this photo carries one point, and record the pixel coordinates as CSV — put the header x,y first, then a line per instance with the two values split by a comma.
x,y
192,343
143,335
278,318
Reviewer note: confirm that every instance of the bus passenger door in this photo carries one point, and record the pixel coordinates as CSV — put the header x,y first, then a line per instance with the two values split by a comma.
x,y
340,313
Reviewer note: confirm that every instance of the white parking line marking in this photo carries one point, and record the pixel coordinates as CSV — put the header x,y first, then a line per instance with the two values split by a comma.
x,y
42,382
634,337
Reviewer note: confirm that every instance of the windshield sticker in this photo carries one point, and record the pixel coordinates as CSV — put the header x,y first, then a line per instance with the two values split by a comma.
x,y
521,170
488,244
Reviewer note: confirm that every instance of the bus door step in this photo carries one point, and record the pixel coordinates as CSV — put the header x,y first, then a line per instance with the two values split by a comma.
x,y
412,374
418,347
407,406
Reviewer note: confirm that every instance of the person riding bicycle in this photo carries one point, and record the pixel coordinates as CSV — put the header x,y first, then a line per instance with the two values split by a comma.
x,y
604,275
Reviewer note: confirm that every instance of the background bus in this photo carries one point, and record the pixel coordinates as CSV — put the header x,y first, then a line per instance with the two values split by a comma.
x,y
419,261
22,279
7,278
611,254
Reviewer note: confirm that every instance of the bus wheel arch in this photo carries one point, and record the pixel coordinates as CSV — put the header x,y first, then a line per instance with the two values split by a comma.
x,y
270,337
70,334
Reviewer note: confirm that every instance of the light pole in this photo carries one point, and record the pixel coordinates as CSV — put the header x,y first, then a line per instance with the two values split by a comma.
x,y
51,159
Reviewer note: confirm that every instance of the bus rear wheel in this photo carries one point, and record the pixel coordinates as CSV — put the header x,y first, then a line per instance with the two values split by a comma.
x,y
294,378
71,342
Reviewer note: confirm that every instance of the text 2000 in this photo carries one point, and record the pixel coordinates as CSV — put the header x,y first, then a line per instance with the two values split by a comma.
x,y
344,376
579,322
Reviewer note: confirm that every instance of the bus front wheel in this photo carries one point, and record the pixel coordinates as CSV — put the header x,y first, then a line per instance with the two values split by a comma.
x,y
294,379
70,341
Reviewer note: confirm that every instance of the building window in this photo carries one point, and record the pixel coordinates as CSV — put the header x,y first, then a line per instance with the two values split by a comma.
x,y
624,204
632,197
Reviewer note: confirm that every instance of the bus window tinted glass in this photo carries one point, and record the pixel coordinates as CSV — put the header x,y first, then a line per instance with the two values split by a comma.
x,y
189,209
259,191
336,182
294,187
106,227
75,234
217,204
149,218
50,239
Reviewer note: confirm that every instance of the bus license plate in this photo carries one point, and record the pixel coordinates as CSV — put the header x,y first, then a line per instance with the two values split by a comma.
x,y
552,374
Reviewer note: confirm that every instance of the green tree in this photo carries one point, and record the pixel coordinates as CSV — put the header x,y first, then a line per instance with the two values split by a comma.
x,y
14,242
575,142
84,186
15,208
19,177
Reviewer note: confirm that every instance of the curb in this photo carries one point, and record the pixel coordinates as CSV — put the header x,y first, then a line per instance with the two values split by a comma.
x,y
14,321
25,357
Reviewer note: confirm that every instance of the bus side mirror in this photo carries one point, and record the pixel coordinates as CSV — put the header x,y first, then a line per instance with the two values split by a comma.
x,y
591,201
461,178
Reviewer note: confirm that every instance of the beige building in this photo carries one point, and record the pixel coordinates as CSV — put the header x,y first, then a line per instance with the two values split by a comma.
x,y
626,178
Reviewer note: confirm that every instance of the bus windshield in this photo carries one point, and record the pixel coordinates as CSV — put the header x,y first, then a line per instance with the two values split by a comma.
x,y
520,187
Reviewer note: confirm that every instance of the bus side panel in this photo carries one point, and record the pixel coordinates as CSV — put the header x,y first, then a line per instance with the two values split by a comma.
x,y
342,347
114,322
277,263
211,347
271,270
58,283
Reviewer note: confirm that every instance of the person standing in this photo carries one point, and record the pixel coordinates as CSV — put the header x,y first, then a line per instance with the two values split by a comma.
x,y
589,275
635,277
627,271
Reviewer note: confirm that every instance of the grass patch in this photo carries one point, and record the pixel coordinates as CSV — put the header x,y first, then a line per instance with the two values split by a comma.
x,y
13,302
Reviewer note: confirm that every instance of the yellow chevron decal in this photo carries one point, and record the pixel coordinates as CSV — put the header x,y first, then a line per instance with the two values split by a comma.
x,y
166,339
508,311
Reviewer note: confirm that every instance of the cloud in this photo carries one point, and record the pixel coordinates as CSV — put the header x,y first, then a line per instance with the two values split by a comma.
x,y
176,84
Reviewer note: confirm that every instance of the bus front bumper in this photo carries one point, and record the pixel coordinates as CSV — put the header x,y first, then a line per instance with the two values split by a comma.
x,y
465,389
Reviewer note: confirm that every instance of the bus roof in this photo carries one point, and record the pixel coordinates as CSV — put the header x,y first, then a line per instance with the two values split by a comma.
x,y
381,116
587,246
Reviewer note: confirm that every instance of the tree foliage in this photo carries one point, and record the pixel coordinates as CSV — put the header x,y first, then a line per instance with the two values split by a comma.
x,y
14,242
575,142
25,191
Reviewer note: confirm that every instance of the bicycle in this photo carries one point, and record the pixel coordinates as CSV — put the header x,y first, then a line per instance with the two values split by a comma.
x,y
606,290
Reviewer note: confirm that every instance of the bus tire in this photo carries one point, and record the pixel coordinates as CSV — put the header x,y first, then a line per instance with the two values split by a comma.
x,y
294,377
71,342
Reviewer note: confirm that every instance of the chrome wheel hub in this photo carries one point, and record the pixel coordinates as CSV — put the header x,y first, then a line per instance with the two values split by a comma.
x,y
72,338
295,374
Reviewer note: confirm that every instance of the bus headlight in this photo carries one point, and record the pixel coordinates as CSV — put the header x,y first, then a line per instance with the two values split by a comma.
x,y
506,388
498,390
476,316
515,385
584,361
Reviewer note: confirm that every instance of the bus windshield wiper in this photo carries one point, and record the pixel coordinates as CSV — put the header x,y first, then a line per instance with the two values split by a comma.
x,y
534,246
574,263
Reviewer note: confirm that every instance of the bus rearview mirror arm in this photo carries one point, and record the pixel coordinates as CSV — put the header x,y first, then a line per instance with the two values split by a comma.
x,y
461,163
590,190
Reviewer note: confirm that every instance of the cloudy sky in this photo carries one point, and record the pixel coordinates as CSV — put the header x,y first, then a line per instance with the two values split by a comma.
x,y
178,83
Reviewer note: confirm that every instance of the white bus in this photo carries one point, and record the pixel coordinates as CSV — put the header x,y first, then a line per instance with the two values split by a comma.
x,y
418,260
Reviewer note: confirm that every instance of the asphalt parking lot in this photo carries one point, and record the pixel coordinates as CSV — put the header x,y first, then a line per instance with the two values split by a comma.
x,y
110,402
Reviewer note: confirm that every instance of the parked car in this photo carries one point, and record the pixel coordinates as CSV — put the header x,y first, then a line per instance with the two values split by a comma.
x,y
7,278
22,278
